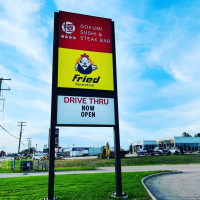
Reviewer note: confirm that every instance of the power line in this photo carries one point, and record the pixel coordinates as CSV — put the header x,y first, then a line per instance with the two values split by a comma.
x,y
14,101
1,81
8,132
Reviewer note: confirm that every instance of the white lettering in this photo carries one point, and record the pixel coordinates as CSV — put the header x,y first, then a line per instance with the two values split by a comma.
x,y
94,28
87,38
105,40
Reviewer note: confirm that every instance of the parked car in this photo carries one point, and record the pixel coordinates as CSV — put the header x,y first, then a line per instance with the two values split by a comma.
x,y
156,151
145,152
38,156
161,151
174,150
62,154
142,152
166,152
182,150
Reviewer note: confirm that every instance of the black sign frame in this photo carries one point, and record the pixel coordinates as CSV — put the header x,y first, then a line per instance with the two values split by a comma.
x,y
87,93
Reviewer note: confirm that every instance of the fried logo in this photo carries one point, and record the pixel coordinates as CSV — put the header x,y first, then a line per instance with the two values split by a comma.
x,y
84,65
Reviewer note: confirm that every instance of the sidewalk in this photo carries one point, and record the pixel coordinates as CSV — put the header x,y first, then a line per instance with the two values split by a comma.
x,y
184,168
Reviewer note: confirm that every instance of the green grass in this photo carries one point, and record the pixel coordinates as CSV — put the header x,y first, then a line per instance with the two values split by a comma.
x,y
162,160
6,167
91,164
134,161
74,187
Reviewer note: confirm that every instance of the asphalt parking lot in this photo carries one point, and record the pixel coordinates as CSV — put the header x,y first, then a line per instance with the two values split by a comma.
x,y
183,186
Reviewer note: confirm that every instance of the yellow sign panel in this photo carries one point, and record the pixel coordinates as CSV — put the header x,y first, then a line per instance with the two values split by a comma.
x,y
85,69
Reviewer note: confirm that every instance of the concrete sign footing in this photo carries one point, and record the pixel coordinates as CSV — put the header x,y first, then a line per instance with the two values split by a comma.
x,y
124,195
54,198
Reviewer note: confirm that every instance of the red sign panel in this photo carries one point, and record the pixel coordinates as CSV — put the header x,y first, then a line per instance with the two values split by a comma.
x,y
84,32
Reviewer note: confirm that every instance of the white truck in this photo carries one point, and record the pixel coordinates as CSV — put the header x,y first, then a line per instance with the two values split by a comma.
x,y
174,150
84,152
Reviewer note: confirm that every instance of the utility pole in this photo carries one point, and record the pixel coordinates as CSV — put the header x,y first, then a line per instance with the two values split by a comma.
x,y
3,99
29,145
3,79
21,124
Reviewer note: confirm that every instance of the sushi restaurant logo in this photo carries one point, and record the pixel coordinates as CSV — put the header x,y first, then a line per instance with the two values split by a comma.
x,y
68,27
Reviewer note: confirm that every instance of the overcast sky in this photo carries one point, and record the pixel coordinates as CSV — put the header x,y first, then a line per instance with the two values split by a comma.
x,y
158,66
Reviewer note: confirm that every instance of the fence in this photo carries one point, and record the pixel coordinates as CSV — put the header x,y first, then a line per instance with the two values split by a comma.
x,y
29,165
41,165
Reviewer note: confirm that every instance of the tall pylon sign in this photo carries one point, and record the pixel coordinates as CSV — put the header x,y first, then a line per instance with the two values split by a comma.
x,y
84,81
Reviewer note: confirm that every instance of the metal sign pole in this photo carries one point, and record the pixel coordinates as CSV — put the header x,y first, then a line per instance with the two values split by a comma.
x,y
118,178
51,164
53,110
117,162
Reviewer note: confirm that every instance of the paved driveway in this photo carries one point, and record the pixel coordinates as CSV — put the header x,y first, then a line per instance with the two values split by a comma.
x,y
175,186
182,186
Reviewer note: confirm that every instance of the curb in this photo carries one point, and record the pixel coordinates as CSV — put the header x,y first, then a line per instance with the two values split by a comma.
x,y
155,175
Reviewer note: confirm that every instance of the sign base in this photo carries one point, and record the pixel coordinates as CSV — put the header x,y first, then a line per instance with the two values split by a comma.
x,y
54,198
124,195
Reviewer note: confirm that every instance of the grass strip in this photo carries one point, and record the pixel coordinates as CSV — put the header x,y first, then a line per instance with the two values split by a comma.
x,y
91,164
74,187
133,161
162,160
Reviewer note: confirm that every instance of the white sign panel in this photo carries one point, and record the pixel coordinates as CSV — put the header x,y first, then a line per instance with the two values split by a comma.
x,y
85,110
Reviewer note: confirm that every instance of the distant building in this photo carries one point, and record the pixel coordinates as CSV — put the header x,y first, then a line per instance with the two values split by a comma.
x,y
94,151
81,151
144,144
189,144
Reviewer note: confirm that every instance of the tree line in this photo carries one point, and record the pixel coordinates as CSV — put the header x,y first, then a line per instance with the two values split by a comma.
x,y
185,134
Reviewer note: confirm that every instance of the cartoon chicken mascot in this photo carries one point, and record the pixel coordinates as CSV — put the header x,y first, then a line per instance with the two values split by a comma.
x,y
84,65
